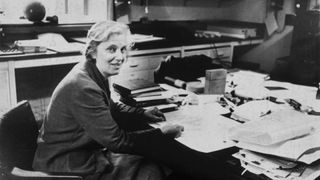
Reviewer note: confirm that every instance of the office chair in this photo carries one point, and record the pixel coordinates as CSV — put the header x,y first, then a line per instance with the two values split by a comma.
x,y
18,142
187,69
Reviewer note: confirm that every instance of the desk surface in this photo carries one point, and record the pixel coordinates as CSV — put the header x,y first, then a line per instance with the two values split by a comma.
x,y
206,130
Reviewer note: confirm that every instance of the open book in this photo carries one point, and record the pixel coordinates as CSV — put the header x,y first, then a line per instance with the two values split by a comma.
x,y
274,128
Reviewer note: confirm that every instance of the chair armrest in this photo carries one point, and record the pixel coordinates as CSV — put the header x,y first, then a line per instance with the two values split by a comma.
x,y
18,173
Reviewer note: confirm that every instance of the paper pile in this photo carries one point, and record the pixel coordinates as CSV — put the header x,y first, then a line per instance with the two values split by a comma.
x,y
286,136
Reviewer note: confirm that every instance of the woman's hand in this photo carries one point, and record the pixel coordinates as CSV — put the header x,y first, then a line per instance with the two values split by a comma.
x,y
173,131
154,115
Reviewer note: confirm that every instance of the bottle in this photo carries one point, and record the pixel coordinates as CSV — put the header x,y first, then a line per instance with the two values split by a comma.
x,y
175,82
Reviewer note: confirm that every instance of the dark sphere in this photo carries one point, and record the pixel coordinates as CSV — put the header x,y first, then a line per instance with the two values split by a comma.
x,y
35,12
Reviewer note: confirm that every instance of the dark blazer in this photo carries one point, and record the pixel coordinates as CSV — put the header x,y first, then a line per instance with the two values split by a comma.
x,y
80,125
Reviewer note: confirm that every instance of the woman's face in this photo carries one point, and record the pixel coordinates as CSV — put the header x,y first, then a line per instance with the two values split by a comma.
x,y
111,54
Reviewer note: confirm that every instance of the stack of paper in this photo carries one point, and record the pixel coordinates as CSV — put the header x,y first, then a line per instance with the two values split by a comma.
x,y
287,135
57,43
137,38
275,168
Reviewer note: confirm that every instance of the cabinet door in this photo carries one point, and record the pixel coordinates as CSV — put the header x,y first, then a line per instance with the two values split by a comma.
x,y
4,88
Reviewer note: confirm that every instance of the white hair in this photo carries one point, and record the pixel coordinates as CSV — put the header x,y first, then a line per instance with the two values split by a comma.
x,y
102,31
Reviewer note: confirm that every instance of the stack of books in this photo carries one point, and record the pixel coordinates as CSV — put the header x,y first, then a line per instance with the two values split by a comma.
x,y
282,145
141,93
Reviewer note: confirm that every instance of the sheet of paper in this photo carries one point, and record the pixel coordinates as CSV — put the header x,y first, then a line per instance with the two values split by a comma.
x,y
292,149
275,128
255,110
271,23
204,129
56,42
311,157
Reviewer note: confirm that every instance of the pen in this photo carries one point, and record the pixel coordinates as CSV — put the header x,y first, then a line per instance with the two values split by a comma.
x,y
229,103
295,104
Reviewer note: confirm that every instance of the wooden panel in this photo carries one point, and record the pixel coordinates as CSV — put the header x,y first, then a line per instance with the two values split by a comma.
x,y
4,90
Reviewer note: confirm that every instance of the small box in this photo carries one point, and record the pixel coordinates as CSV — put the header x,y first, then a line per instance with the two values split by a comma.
x,y
215,81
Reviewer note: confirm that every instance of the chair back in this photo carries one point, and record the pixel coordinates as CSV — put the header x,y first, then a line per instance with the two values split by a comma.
x,y
18,137
188,68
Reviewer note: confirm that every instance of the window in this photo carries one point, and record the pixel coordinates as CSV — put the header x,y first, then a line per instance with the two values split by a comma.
x,y
68,11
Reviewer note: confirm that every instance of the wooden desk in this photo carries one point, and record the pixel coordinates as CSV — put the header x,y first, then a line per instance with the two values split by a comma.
x,y
141,64
201,120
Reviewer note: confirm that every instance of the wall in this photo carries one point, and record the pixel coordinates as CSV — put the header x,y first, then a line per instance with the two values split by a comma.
x,y
241,10
277,45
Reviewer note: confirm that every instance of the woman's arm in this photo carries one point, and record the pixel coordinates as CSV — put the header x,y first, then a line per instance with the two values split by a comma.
x,y
93,113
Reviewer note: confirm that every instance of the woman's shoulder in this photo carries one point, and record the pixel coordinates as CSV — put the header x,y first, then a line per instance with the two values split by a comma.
x,y
79,79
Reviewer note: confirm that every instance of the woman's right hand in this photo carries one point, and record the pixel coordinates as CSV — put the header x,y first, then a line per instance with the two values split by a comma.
x,y
173,131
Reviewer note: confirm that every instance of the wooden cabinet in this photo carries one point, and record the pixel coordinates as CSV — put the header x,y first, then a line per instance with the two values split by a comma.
x,y
5,92
142,66
221,52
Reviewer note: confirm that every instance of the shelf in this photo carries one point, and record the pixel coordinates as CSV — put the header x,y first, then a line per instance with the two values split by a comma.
x,y
7,29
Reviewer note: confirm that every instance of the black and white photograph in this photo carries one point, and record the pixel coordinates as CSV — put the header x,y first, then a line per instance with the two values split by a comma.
x,y
160,89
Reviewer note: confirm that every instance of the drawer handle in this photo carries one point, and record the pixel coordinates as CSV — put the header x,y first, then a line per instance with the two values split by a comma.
x,y
133,65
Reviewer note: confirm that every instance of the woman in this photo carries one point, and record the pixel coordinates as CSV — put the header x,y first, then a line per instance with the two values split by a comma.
x,y
87,134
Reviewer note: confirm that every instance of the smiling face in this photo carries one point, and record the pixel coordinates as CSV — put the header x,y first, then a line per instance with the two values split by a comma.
x,y
111,54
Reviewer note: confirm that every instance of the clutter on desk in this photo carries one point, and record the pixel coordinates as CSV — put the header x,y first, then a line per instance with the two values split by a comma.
x,y
275,168
280,126
275,127
140,92
255,110
147,94
287,135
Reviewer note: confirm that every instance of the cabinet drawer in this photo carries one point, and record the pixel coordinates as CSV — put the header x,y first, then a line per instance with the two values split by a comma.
x,y
207,52
139,63
212,52
147,74
222,52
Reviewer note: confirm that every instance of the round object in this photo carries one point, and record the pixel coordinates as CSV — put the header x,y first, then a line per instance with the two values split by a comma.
x,y
35,12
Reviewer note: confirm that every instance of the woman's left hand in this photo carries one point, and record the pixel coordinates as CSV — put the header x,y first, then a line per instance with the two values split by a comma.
x,y
154,115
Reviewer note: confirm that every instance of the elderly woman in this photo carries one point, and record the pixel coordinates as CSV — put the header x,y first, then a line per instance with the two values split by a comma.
x,y
86,133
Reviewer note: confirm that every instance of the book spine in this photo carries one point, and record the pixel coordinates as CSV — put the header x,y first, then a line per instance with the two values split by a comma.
x,y
144,103
121,90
